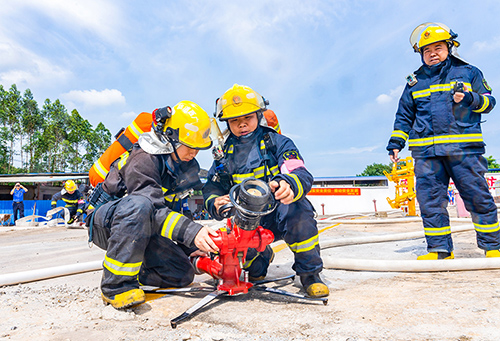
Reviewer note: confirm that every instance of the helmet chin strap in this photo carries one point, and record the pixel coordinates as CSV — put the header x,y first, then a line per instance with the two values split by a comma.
x,y
175,145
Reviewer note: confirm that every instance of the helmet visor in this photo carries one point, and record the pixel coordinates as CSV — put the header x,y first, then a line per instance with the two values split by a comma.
x,y
251,98
417,33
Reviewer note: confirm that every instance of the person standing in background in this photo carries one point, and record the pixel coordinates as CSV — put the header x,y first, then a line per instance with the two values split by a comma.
x,y
440,114
17,202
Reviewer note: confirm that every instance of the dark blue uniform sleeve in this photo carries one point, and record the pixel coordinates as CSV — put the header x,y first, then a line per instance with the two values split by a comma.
x,y
405,116
292,167
57,196
211,190
142,176
482,101
81,203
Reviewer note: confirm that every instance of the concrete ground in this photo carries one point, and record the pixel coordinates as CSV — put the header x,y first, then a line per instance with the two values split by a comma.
x,y
363,305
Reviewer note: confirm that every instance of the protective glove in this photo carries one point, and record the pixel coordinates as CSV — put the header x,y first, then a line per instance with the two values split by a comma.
x,y
72,219
467,100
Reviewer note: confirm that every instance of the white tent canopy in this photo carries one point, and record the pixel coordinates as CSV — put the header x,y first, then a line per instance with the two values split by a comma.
x,y
42,177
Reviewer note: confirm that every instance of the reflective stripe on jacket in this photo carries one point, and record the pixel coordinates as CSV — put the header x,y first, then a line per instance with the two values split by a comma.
x,y
429,119
245,158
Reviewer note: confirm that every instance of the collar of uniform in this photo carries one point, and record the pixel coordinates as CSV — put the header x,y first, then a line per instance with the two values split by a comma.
x,y
250,139
437,68
170,163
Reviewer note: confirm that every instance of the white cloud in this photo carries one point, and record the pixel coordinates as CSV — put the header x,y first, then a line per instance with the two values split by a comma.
x,y
486,46
130,115
393,94
102,18
94,98
22,67
255,33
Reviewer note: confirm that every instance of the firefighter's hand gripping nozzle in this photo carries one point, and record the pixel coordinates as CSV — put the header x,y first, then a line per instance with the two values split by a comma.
x,y
250,200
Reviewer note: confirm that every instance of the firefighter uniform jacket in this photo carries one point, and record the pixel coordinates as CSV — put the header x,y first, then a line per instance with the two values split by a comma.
x,y
74,202
446,141
268,155
141,233
429,119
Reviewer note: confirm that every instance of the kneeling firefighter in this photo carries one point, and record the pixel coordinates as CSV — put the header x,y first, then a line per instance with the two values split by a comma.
x,y
146,242
73,200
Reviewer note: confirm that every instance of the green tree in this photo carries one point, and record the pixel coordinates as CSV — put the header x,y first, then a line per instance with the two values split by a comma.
x,y
97,142
32,122
4,151
51,140
78,133
492,163
376,169
10,117
51,148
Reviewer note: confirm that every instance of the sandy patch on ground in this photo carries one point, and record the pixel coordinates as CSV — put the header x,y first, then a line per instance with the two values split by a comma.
x,y
362,305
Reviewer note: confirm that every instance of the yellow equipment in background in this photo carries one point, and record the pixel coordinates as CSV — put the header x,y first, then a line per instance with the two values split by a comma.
x,y
404,176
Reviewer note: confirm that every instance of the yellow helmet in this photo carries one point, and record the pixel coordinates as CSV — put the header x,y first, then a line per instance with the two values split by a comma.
x,y
70,186
185,123
430,33
239,101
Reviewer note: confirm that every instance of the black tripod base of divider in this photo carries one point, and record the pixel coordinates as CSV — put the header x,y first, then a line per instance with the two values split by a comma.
x,y
218,293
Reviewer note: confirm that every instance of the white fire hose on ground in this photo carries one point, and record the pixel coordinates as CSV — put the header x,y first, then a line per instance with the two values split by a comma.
x,y
464,264
57,271
329,262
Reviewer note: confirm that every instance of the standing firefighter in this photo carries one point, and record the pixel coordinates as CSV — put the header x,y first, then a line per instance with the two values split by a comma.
x,y
72,198
253,150
145,240
439,115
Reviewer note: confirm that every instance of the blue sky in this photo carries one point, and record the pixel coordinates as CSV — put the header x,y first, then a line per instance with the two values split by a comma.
x,y
333,71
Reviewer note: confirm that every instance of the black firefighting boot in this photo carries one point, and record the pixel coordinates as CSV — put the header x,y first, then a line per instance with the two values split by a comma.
x,y
125,300
257,266
314,286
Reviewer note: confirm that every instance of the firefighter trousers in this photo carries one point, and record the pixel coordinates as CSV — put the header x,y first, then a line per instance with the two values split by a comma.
x,y
136,253
467,171
295,224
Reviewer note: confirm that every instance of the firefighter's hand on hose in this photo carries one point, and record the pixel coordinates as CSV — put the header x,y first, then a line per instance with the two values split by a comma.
x,y
282,191
203,240
71,220
221,201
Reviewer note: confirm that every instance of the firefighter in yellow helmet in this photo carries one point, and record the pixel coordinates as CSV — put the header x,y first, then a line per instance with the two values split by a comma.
x,y
73,200
255,150
146,241
440,115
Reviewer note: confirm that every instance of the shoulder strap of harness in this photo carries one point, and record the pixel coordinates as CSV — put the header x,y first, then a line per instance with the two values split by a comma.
x,y
269,144
125,142
269,147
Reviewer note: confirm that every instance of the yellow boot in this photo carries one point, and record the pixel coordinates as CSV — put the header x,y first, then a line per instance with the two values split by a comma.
x,y
436,256
492,253
314,286
126,299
